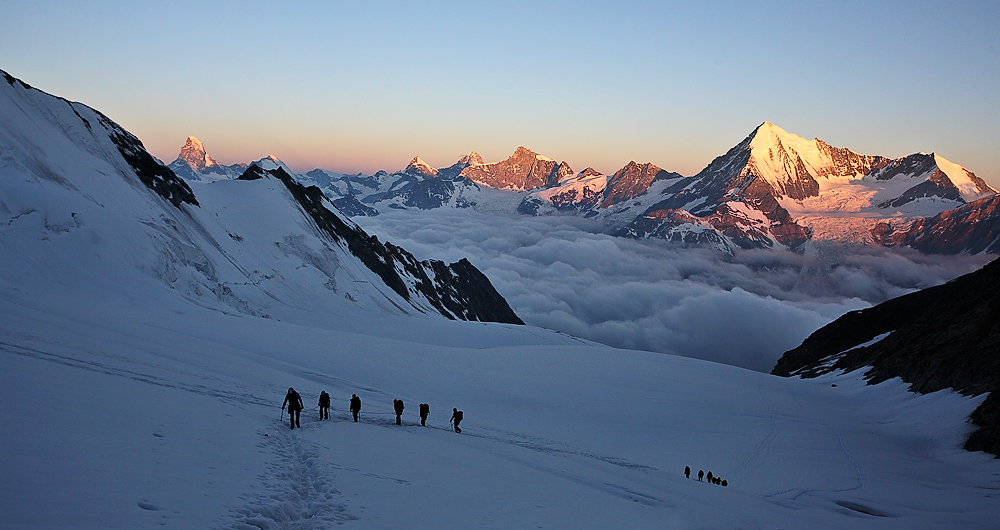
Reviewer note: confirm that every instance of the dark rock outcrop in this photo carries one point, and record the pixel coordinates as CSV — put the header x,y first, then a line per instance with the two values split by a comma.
x,y
457,291
942,337
150,171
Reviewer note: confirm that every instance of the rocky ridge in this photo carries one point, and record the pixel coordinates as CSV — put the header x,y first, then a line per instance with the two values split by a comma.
x,y
236,249
772,190
523,170
941,337
457,291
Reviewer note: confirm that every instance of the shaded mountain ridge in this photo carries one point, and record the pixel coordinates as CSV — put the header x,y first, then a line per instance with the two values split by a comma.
x,y
249,247
458,291
946,336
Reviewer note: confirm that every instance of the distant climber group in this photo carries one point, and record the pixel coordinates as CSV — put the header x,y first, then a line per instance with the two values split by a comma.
x,y
294,403
709,478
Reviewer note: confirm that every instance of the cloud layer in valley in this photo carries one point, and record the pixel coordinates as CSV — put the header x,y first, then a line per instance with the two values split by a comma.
x,y
562,273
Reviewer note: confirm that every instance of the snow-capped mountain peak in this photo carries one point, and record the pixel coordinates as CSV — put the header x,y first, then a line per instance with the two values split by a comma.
x,y
798,168
417,165
770,136
195,155
523,170
779,158
270,162
194,164
471,159
971,187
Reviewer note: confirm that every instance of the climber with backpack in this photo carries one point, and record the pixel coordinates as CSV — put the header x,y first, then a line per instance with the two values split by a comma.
x,y
456,418
295,406
324,405
397,405
355,406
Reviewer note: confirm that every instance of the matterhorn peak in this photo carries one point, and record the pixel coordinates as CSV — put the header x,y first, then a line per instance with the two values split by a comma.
x,y
194,154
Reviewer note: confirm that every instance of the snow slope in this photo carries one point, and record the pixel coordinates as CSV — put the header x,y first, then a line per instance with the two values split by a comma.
x,y
80,196
165,413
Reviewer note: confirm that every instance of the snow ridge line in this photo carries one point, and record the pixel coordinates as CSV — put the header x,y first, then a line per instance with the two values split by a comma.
x,y
94,366
540,445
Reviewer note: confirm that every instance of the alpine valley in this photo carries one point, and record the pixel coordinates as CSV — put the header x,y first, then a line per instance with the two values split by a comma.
x,y
153,316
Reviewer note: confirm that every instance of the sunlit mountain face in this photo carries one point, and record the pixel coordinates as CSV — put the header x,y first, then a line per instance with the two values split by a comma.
x,y
772,190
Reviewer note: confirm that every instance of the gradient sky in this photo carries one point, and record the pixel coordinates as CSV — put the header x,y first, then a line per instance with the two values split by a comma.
x,y
361,86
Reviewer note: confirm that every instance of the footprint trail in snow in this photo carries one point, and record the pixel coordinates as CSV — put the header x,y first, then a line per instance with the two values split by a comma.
x,y
298,492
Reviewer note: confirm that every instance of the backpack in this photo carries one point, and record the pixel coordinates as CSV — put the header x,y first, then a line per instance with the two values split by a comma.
x,y
459,416
293,401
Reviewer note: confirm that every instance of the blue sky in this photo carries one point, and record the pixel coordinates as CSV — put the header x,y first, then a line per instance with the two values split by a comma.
x,y
352,87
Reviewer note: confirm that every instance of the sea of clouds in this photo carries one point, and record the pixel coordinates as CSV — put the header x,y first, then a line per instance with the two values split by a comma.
x,y
563,273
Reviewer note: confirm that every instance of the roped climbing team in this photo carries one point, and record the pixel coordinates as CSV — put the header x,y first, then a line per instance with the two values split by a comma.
x,y
294,403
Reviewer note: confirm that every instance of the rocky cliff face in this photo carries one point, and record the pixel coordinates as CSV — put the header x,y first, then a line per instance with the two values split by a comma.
x,y
931,177
942,337
143,221
523,170
195,155
797,184
755,173
582,193
631,181
973,228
